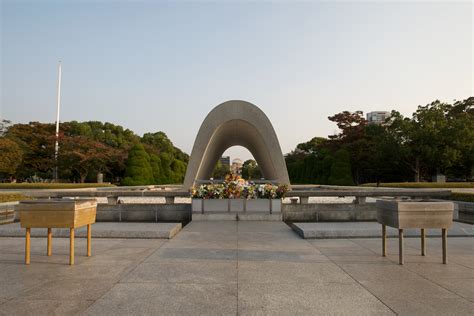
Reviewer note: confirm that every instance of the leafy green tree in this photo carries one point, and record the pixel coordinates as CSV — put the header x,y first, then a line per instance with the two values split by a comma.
x,y
36,141
460,136
341,169
81,157
155,164
11,156
167,174
251,170
220,171
159,141
138,170
323,167
179,170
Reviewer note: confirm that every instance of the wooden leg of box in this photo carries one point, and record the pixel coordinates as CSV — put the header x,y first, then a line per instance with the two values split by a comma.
x,y
50,237
445,244
384,240
89,233
71,246
400,246
27,246
423,246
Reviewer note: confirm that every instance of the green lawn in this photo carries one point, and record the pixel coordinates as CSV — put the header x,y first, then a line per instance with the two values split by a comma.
x,y
434,185
53,185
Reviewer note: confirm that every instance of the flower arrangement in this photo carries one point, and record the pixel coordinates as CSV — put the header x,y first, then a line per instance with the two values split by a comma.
x,y
234,187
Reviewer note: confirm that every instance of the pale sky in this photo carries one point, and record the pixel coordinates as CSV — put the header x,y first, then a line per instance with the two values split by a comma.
x,y
152,66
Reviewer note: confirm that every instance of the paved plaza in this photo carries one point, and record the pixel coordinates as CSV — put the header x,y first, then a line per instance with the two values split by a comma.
x,y
234,268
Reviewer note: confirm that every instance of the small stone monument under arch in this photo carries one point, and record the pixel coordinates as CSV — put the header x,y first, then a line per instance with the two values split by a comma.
x,y
236,123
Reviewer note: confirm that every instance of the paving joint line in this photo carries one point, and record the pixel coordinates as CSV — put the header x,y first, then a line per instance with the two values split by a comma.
x,y
237,266
123,276
360,284
412,271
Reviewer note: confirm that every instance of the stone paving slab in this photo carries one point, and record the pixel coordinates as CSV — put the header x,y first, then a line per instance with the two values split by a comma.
x,y
101,230
371,229
236,268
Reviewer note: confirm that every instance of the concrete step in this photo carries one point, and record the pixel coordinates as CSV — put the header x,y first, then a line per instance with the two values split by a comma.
x,y
102,230
370,230
226,216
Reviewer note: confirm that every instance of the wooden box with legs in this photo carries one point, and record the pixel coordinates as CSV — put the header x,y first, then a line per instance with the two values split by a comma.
x,y
420,214
57,213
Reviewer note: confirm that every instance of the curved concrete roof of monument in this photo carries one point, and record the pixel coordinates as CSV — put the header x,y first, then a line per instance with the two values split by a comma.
x,y
236,123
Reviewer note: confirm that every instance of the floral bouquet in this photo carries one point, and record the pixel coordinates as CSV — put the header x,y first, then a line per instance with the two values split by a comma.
x,y
235,187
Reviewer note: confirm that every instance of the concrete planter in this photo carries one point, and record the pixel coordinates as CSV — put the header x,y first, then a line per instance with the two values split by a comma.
x,y
276,206
217,205
264,205
236,205
196,205
210,205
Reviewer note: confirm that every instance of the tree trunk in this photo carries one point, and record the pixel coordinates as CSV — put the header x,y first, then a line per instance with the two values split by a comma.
x,y
83,177
417,169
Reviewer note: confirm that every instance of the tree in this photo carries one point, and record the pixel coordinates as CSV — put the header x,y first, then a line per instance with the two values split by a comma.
x,y
220,171
172,160
341,169
251,170
159,141
4,124
138,170
461,138
155,164
351,125
11,156
36,141
80,156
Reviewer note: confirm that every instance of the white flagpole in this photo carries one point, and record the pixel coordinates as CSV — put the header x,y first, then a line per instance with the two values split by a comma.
x,y
56,146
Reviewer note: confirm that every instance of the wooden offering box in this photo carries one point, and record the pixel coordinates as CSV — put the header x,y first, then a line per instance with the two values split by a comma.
x,y
414,214
57,213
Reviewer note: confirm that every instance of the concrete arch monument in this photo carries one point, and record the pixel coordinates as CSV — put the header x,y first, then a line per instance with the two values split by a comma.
x,y
236,123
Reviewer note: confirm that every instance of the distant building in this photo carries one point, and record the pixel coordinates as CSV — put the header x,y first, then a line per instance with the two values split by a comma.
x,y
225,161
377,117
236,167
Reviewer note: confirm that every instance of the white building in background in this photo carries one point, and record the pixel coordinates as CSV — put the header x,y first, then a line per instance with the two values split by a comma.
x,y
236,167
377,117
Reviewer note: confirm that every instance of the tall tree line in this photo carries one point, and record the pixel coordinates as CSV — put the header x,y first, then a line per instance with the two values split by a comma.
x,y
437,139
86,149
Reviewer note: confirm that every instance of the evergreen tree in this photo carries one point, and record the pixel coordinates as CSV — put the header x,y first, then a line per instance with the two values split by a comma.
x,y
341,169
155,163
138,169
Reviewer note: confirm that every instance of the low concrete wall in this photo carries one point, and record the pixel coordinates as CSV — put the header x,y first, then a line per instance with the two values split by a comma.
x,y
7,212
466,207
182,212
176,213
340,212
466,212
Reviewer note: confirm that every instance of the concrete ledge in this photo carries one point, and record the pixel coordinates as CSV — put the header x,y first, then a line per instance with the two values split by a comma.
x,y
371,230
7,212
102,230
233,217
329,212
144,213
